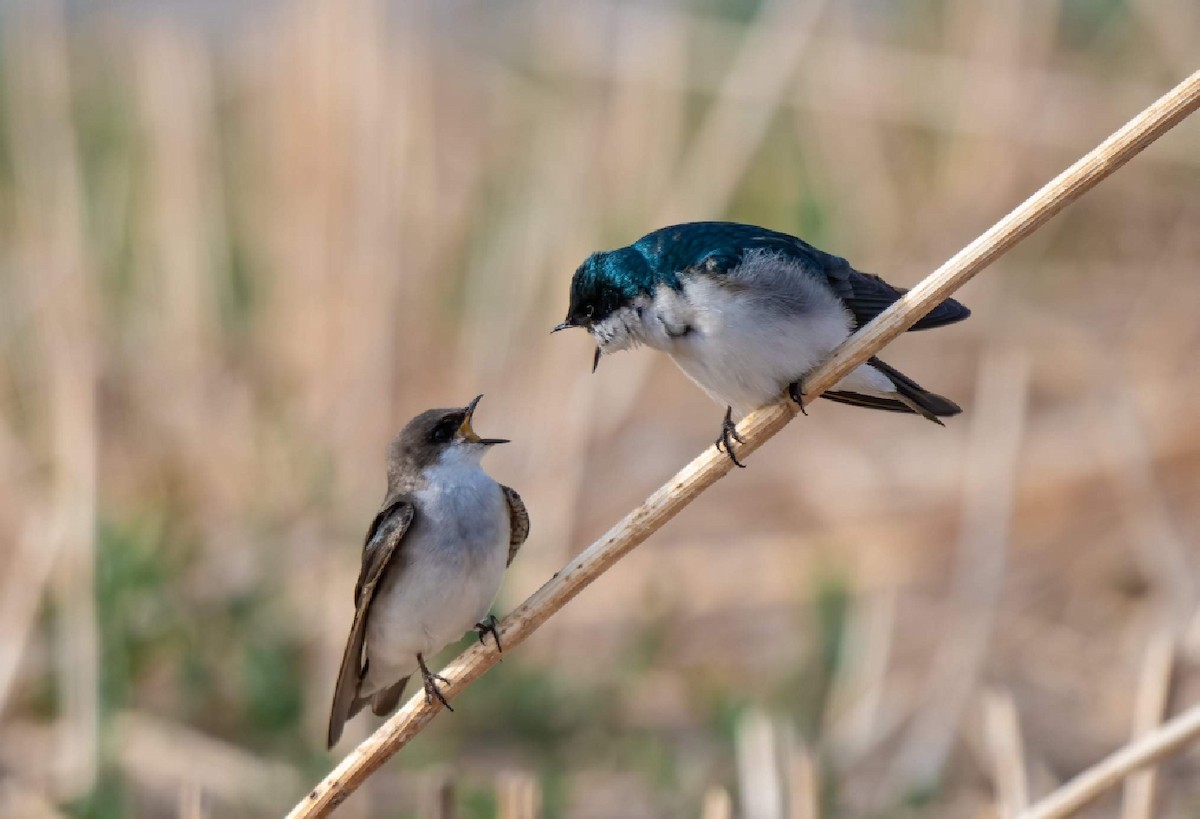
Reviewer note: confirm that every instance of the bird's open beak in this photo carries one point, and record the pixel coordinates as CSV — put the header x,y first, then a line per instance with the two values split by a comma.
x,y
566,325
468,434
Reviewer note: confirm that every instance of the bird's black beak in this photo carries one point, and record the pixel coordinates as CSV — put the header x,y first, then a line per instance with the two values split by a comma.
x,y
567,325
468,433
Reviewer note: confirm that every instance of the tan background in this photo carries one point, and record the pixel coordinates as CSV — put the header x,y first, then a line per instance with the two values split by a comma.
x,y
240,247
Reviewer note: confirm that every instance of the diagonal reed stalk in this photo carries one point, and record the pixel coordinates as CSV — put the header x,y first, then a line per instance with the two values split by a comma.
x,y
756,428
1167,739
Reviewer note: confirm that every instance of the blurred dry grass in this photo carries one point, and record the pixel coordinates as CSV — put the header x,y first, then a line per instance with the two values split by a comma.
x,y
234,259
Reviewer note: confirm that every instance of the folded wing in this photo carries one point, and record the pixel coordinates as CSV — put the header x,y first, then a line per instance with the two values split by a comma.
x,y
380,550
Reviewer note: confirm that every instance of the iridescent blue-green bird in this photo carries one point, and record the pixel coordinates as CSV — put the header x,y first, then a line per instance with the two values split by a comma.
x,y
746,312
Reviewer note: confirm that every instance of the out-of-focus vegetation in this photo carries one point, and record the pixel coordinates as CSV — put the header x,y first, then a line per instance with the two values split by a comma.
x,y
240,247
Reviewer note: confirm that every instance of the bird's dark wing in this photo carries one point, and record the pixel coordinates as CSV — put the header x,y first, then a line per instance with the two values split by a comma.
x,y
381,548
866,295
518,520
721,246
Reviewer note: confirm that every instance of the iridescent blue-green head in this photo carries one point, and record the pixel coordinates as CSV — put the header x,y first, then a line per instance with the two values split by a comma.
x,y
605,283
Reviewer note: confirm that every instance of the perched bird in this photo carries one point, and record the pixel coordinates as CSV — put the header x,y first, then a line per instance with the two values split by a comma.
x,y
431,565
745,312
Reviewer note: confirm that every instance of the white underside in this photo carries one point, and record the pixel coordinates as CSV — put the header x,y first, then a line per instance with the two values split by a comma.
x,y
750,335
453,563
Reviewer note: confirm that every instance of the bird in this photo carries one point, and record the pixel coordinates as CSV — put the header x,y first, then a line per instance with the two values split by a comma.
x,y
746,312
432,562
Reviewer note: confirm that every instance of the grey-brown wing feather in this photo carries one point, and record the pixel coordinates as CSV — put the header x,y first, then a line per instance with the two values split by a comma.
x,y
518,520
382,544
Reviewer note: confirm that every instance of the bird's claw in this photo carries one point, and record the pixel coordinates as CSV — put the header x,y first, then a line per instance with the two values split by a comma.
x,y
430,681
729,434
797,395
488,626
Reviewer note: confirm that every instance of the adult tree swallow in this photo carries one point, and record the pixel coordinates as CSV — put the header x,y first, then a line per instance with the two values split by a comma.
x,y
431,565
745,312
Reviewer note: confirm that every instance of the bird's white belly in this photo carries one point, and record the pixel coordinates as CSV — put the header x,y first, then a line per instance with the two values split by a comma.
x,y
743,353
449,575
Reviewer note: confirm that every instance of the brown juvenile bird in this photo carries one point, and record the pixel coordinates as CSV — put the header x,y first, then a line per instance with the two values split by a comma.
x,y
432,562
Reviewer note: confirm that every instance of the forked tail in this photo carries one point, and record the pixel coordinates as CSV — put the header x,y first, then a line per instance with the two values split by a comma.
x,y
912,397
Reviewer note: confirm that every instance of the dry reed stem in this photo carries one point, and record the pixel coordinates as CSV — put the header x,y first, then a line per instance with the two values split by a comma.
x,y
51,240
803,777
1002,731
909,86
191,802
717,804
989,484
21,595
518,796
1161,549
860,686
438,796
756,429
767,62
1158,744
1150,705
760,788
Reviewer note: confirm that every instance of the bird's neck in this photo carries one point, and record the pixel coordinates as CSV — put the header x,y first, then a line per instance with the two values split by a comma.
x,y
454,475
659,320
626,327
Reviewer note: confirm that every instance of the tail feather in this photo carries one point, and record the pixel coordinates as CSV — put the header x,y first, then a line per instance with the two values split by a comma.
x,y
356,706
338,718
910,397
384,702
875,402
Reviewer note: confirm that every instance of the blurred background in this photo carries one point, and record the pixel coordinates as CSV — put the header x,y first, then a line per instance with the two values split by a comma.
x,y
242,244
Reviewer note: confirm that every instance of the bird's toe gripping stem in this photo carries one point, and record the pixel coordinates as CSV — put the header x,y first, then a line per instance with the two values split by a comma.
x,y
797,394
728,435
488,626
430,681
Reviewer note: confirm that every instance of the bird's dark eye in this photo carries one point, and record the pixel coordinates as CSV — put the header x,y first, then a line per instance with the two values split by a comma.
x,y
444,431
588,311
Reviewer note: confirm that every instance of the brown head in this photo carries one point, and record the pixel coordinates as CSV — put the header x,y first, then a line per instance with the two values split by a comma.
x,y
434,435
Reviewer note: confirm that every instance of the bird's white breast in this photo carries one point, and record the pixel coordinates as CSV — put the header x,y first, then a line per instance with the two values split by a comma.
x,y
742,336
449,570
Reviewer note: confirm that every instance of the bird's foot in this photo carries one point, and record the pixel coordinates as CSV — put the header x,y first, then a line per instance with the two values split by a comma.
x,y
431,680
488,626
728,435
797,395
